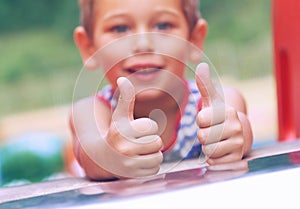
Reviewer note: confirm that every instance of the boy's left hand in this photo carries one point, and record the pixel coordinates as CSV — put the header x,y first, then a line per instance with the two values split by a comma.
x,y
220,129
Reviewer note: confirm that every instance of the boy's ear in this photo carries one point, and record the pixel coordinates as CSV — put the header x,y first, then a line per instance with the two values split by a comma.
x,y
197,38
85,47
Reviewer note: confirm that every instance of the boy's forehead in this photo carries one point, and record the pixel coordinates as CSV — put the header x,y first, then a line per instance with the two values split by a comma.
x,y
138,4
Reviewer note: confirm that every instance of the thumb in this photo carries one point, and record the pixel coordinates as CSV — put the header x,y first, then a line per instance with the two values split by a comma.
x,y
208,91
125,106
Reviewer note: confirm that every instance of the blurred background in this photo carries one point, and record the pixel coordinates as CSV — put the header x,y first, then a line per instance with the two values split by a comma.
x,y
39,63
38,57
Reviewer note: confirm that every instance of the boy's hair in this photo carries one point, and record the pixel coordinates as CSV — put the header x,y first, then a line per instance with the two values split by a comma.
x,y
190,10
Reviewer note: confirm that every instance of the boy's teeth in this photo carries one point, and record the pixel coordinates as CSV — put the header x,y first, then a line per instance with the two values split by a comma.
x,y
145,70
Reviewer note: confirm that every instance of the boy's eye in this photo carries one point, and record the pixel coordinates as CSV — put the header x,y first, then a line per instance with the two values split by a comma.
x,y
163,26
120,29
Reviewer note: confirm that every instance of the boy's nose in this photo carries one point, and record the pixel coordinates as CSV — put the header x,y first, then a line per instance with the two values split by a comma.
x,y
143,43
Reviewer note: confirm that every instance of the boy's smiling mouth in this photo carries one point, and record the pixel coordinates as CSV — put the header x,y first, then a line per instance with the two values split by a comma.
x,y
144,70
144,73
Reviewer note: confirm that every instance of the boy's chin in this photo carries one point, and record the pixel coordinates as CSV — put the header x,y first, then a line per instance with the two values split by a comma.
x,y
150,95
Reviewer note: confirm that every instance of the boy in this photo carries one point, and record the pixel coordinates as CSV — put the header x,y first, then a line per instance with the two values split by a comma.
x,y
140,120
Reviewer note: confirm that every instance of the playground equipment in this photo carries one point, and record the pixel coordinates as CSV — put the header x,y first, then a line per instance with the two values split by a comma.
x,y
286,33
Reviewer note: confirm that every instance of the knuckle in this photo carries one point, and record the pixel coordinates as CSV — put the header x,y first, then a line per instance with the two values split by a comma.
x,y
201,136
199,118
155,170
130,164
237,156
123,149
237,127
206,150
239,143
211,161
231,111
153,125
204,117
143,126
158,142
160,158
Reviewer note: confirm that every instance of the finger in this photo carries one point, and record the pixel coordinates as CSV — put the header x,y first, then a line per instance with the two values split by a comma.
x,y
206,87
143,127
148,165
126,100
143,146
142,165
211,116
151,160
232,157
212,134
231,127
219,132
149,144
118,163
147,172
224,148
139,146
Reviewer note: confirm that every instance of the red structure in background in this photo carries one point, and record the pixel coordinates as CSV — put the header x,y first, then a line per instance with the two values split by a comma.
x,y
286,33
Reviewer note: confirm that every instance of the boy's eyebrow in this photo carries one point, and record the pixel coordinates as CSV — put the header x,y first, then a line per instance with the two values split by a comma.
x,y
115,14
157,12
168,11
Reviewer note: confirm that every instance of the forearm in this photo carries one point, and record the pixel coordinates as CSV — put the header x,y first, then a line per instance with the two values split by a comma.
x,y
92,170
87,135
90,167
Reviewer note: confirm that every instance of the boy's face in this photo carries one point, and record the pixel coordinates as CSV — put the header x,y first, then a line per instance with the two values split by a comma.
x,y
143,40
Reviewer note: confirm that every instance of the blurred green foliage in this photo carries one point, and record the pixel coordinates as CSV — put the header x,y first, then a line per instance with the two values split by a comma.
x,y
31,158
39,61
18,15
237,21
29,166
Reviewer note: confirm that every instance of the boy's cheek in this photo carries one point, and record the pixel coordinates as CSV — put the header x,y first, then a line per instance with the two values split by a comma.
x,y
113,52
172,46
112,76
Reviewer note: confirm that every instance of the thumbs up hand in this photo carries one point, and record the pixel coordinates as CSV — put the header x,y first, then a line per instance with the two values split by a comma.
x,y
136,141
220,129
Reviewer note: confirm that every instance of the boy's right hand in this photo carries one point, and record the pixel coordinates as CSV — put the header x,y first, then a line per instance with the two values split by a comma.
x,y
136,141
